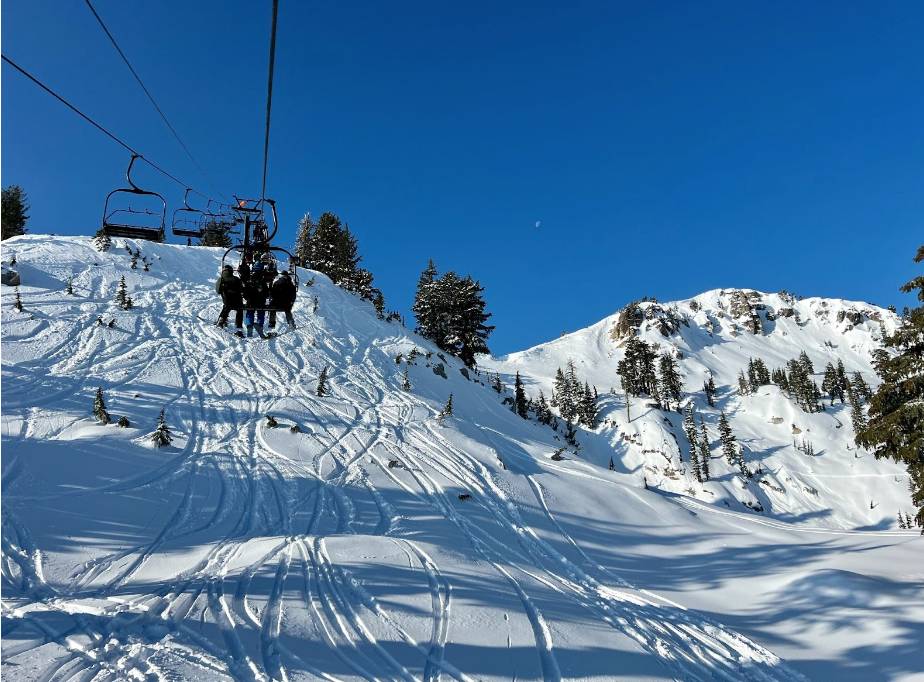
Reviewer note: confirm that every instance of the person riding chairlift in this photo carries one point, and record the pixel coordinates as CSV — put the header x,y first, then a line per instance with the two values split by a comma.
x,y
255,295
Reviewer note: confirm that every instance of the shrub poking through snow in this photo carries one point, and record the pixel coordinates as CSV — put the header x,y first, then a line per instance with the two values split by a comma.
x,y
99,407
295,428
271,422
123,422
69,289
406,383
17,302
161,435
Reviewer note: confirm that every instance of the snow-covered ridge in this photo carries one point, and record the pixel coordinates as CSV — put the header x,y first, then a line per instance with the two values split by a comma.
x,y
346,548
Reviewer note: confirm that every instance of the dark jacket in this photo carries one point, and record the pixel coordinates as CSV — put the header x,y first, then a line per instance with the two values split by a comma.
x,y
256,292
283,293
229,288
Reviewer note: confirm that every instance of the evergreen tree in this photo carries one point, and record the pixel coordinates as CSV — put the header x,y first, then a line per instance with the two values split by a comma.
x,y
588,408
450,310
133,263
612,466
761,372
806,364
727,438
543,412
901,521
857,413
99,407
896,409
830,384
447,409
161,435
689,428
322,383
709,390
570,434
406,383
751,380
17,301
215,234
671,385
704,453
519,398
860,386
121,297
15,208
496,383
101,241
637,368
69,288
744,388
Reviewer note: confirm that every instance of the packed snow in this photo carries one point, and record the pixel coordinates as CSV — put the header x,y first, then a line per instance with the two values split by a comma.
x,y
378,541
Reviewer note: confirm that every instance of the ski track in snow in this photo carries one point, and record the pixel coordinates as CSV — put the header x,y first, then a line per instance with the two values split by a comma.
x,y
268,574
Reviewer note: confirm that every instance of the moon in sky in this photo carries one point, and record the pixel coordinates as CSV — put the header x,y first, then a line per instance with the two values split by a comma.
x,y
538,223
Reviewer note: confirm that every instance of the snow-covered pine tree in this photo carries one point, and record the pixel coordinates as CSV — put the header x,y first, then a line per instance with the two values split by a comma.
x,y
17,301
830,381
322,382
709,390
69,288
761,371
806,364
519,398
744,388
857,412
99,407
901,521
447,409
588,407
161,435
704,453
102,241
496,383
133,263
689,428
121,297
860,387
727,438
570,434
406,382
671,384
896,410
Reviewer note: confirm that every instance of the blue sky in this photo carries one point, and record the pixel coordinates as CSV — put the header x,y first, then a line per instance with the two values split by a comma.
x,y
667,147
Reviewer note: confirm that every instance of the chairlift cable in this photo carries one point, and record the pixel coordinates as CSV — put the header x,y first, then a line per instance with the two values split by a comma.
x,y
269,95
98,126
147,92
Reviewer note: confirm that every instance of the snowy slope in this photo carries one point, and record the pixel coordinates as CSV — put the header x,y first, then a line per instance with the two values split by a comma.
x,y
344,551
839,487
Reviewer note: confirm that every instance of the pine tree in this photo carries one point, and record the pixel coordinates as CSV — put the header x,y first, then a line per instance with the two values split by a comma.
x,y
570,434
831,383
689,428
612,466
406,383
102,241
99,407
761,372
17,301
588,408
857,413
704,454
447,409
727,438
896,409
637,368
901,521
69,288
215,234
133,264
15,208
543,412
322,382
744,388
806,364
496,384
709,390
122,298
671,384
519,398
861,387
161,435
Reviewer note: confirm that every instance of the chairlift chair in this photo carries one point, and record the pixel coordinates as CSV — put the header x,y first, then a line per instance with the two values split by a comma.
x,y
188,221
125,221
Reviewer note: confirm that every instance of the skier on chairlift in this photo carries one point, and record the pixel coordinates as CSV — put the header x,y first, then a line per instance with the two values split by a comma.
x,y
229,287
255,294
282,298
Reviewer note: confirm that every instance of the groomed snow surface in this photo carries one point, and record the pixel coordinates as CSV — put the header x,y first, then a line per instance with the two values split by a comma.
x,y
344,552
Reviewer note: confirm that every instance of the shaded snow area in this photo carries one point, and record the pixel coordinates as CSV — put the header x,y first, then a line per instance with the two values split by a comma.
x,y
342,550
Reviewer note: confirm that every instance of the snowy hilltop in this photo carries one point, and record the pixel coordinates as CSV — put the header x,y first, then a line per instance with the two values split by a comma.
x,y
346,502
